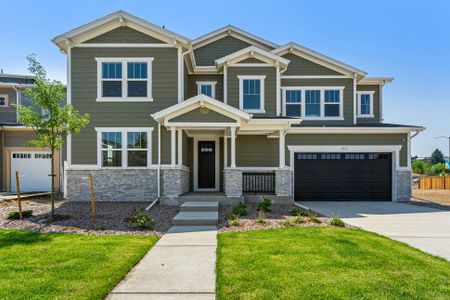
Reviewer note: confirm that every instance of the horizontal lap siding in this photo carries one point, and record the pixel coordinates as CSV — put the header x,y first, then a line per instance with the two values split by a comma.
x,y
1,161
18,138
124,35
348,97
349,139
376,104
206,55
301,66
191,89
122,114
255,151
269,86
197,115
8,114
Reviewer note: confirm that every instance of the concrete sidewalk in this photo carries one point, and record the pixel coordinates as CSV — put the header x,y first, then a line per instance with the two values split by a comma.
x,y
180,266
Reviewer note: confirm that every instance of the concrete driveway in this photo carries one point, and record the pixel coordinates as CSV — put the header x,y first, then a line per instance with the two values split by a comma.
x,y
424,228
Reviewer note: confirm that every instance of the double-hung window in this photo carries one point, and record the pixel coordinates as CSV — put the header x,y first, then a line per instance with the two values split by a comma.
x,y
251,93
124,79
3,100
313,103
365,104
123,148
207,88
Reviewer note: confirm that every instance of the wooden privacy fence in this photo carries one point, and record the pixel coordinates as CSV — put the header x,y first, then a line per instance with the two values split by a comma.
x,y
434,182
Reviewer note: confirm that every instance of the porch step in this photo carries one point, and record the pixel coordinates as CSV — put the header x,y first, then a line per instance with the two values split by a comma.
x,y
189,218
199,206
221,198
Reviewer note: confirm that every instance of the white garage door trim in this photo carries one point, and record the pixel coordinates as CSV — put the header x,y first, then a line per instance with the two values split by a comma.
x,y
394,149
37,162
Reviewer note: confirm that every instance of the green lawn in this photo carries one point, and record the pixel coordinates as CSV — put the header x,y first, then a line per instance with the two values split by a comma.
x,y
326,263
65,266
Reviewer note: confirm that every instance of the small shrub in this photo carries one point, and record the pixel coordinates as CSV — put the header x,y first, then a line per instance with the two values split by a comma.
x,y
301,212
234,223
260,219
337,222
141,220
287,223
240,209
299,220
294,212
15,215
230,216
265,204
315,220
420,167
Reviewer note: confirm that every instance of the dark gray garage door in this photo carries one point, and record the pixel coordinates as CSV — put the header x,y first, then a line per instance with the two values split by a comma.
x,y
343,177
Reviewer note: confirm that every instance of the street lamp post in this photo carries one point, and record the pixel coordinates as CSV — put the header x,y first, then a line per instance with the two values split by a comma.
x,y
448,138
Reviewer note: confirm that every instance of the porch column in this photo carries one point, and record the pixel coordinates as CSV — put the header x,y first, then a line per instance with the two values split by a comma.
x,y
233,147
173,146
281,150
180,147
225,151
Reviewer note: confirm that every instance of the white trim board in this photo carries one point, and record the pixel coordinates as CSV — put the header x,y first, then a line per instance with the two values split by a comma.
x,y
214,138
358,95
261,78
211,83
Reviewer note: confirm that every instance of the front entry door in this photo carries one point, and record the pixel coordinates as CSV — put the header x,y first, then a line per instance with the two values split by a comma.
x,y
206,164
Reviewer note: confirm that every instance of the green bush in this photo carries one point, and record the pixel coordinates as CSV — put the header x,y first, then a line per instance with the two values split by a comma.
x,y
234,223
265,204
420,167
337,222
294,212
230,216
300,212
439,169
315,220
299,220
141,220
15,215
287,223
240,209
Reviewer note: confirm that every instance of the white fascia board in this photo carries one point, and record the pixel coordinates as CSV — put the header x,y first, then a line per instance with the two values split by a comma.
x,y
123,18
375,80
248,50
319,56
360,130
229,30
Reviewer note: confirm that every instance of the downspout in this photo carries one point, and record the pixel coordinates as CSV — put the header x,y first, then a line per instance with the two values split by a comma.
x,y
158,171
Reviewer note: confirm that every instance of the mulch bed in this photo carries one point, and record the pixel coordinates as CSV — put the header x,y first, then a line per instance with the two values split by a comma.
x,y
275,218
75,217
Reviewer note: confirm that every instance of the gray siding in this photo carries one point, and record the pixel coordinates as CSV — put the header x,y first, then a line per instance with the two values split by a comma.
x,y
348,96
301,66
1,162
123,114
17,138
251,60
191,88
376,104
255,151
269,86
197,115
349,139
206,55
8,114
124,35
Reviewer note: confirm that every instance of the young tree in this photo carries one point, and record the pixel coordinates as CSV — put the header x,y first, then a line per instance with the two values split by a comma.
x,y
50,118
437,157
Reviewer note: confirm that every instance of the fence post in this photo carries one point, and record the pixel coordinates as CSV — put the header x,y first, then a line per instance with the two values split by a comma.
x,y
18,194
92,198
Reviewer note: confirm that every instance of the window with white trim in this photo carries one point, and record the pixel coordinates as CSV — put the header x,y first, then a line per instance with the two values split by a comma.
x,y
207,88
124,79
3,100
251,93
122,148
314,103
365,104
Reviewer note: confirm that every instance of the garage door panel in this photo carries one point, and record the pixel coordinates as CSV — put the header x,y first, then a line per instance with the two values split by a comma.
x,y
34,169
351,177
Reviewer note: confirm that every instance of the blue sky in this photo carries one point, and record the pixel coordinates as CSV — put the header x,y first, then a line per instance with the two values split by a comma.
x,y
409,40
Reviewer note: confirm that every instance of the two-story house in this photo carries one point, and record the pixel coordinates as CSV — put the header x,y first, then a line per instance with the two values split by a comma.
x,y
32,164
228,112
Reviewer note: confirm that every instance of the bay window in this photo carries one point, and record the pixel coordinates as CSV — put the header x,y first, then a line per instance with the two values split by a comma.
x,y
124,79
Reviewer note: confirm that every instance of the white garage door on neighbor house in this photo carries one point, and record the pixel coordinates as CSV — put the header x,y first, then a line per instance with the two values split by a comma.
x,y
34,169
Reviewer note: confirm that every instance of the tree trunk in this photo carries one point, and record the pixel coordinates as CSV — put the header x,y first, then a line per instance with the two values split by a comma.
x,y
53,181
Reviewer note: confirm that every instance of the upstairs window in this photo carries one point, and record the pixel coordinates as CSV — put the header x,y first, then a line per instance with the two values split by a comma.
x,y
365,104
313,103
207,88
124,79
251,93
3,100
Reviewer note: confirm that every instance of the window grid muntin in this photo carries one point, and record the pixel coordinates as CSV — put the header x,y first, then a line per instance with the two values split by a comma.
x,y
252,93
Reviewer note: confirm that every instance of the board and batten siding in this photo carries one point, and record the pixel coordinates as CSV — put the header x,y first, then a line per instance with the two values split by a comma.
x,y
192,89
349,140
121,114
347,83
376,104
269,87
206,55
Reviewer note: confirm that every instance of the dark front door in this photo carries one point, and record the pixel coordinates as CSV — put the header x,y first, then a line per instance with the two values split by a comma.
x,y
206,164
343,176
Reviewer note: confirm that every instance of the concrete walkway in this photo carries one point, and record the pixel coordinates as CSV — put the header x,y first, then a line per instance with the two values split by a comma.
x,y
180,266
424,228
